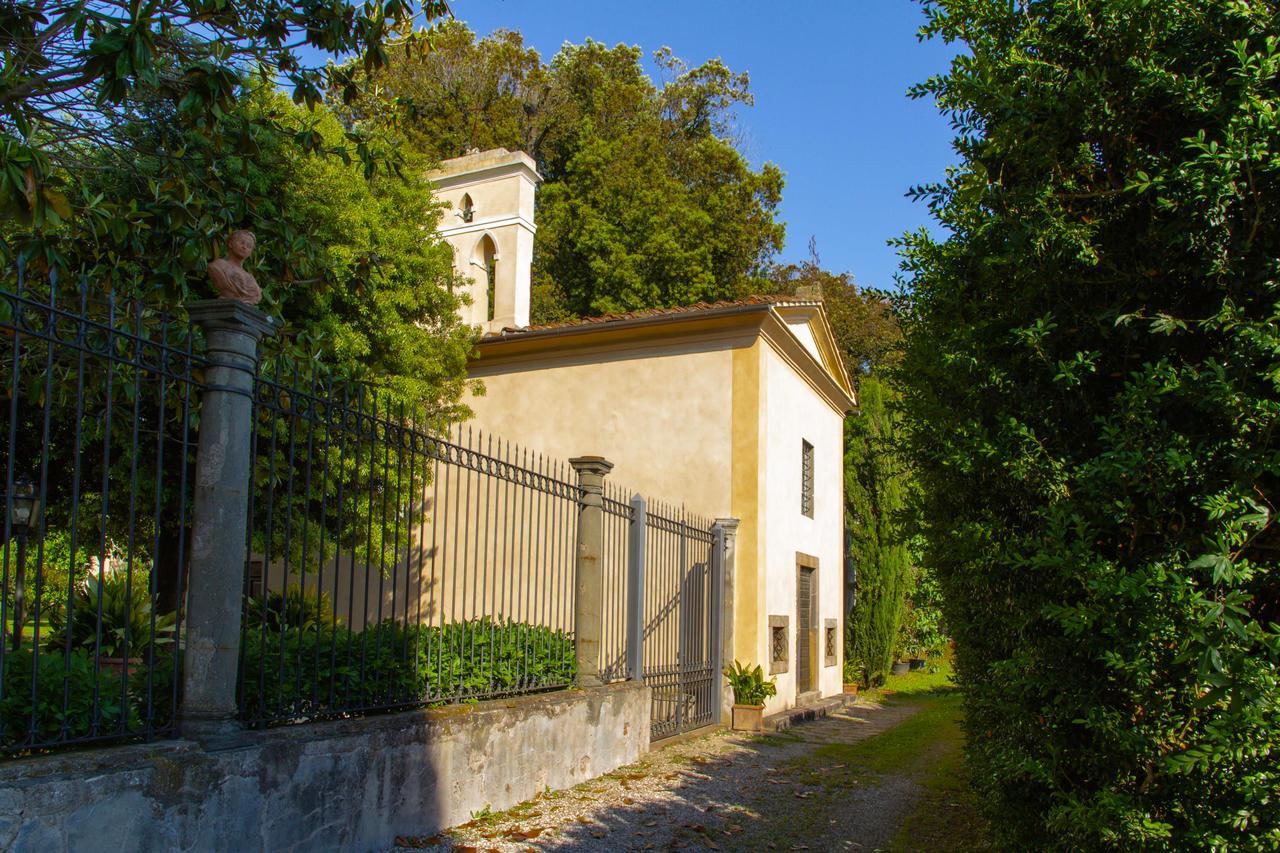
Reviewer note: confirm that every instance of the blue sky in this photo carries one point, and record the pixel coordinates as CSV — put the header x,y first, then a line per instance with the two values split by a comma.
x,y
830,81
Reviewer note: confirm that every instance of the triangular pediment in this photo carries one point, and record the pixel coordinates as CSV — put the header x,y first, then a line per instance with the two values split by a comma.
x,y
809,323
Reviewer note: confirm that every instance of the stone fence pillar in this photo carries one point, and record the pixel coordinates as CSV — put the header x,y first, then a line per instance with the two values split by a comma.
x,y
729,531
635,589
588,607
232,331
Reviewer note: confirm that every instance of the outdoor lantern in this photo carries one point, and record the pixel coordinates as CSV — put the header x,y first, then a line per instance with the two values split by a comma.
x,y
25,512
26,507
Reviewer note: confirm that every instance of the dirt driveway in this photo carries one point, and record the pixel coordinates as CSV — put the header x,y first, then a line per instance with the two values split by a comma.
x,y
832,784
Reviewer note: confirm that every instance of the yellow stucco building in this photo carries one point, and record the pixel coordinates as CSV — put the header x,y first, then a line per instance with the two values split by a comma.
x,y
733,409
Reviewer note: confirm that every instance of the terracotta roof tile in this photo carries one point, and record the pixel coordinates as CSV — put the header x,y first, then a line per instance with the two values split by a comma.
x,y
676,310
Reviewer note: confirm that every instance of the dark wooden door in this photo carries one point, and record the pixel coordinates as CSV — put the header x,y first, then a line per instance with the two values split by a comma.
x,y
804,630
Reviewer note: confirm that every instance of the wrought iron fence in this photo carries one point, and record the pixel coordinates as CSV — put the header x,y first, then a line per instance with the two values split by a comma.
x,y
396,563
102,399
393,561
616,569
681,619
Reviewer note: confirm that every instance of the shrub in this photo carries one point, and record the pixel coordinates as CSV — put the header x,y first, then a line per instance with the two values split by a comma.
x,y
323,670
296,607
1092,375
46,718
126,628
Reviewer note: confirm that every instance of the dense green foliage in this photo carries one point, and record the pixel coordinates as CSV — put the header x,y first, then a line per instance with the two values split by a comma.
x,y
875,503
1091,370
319,667
74,77
645,199
923,631
19,717
341,256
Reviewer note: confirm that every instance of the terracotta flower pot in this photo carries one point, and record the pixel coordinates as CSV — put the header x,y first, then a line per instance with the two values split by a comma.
x,y
116,665
851,689
748,718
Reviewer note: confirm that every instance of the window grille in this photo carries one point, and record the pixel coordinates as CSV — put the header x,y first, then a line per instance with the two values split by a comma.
x,y
806,478
779,643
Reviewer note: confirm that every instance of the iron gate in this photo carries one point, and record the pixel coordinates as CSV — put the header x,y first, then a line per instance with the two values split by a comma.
x,y
683,600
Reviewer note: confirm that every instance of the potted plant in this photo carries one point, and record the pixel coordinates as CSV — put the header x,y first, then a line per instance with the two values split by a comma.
x,y
900,664
114,614
852,677
750,689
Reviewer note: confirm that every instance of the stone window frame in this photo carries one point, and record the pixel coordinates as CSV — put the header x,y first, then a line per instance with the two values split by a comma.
x,y
779,665
830,642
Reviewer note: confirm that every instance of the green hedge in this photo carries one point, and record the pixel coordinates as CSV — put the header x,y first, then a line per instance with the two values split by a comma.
x,y
1092,375
323,669
120,712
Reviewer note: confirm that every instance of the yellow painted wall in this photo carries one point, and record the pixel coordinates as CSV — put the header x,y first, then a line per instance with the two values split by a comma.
x,y
749,395
661,416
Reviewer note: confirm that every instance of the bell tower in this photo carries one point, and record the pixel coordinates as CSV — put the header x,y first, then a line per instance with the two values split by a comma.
x,y
490,226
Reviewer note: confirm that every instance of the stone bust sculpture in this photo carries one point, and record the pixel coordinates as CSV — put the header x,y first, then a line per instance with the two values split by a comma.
x,y
228,274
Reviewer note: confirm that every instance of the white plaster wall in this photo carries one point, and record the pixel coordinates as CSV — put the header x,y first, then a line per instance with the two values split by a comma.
x,y
801,328
794,413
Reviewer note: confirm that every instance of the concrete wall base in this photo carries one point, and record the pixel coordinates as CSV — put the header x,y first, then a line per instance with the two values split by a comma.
x,y
350,785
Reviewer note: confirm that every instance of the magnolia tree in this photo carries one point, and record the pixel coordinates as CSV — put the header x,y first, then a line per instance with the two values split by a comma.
x,y
74,72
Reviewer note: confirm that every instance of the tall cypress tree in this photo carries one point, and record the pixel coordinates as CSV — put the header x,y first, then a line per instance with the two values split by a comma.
x,y
875,499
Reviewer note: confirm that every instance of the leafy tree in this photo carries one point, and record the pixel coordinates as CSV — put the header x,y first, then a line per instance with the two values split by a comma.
x,y
645,199
862,320
74,76
342,257
1091,379
875,501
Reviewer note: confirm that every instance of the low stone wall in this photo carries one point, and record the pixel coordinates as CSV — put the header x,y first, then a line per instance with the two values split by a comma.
x,y
345,785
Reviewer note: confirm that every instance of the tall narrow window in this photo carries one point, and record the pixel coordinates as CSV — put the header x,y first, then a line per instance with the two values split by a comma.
x,y
468,209
806,478
489,260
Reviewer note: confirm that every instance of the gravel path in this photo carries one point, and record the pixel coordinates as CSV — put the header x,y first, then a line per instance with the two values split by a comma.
x,y
719,791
